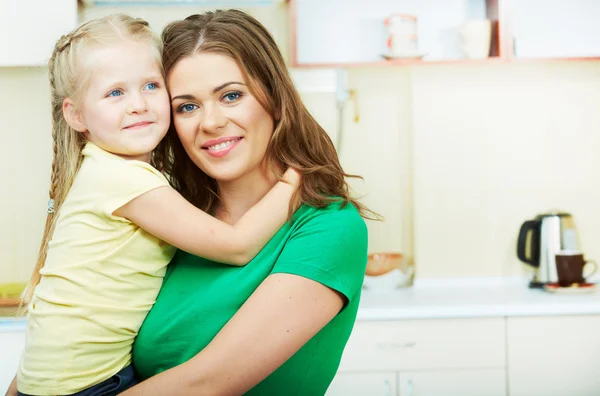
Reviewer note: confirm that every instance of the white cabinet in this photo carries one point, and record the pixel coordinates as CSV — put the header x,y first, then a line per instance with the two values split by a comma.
x,y
432,357
29,29
12,343
362,384
484,382
425,345
554,356
535,34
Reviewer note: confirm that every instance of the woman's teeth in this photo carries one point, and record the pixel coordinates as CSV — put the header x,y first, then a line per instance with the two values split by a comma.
x,y
221,146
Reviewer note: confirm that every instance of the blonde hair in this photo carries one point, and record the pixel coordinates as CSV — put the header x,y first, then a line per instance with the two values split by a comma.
x,y
69,75
298,140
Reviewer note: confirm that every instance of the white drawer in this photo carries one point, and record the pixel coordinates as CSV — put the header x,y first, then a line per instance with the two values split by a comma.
x,y
426,344
362,384
473,382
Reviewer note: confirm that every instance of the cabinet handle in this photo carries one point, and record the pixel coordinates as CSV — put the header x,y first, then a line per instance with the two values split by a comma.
x,y
409,388
388,388
396,345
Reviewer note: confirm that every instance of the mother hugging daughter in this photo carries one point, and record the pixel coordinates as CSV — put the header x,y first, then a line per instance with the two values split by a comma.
x,y
241,156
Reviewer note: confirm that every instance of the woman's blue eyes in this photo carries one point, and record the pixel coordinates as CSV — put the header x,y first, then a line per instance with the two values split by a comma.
x,y
228,98
231,96
186,108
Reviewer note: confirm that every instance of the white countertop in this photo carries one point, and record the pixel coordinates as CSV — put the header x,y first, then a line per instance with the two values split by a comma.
x,y
463,298
12,325
470,298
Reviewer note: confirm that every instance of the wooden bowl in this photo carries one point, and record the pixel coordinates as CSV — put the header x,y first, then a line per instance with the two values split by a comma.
x,y
382,263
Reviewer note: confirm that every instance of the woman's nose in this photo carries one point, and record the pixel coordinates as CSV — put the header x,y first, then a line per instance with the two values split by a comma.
x,y
213,119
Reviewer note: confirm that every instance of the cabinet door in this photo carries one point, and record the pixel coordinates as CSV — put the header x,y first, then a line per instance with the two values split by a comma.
x,y
363,384
554,356
11,345
30,29
534,27
486,382
430,344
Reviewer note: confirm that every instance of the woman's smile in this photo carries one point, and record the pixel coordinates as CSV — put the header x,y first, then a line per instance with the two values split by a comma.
x,y
219,148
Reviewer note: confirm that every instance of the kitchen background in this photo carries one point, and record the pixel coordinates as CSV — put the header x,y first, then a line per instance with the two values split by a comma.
x,y
454,155
456,149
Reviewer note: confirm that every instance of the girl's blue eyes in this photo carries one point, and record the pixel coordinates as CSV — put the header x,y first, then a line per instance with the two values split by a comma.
x,y
118,92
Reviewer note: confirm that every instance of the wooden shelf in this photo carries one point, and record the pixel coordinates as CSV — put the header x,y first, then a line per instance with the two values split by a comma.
x,y
398,62
567,59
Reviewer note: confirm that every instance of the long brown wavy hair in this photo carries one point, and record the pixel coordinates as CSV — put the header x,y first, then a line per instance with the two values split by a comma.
x,y
297,141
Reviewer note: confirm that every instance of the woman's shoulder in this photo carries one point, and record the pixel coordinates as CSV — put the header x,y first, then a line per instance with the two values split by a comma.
x,y
338,216
328,245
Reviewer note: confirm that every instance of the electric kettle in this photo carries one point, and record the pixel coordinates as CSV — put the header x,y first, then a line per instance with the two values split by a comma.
x,y
539,241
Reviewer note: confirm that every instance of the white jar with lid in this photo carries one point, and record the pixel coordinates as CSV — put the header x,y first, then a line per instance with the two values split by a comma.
x,y
402,40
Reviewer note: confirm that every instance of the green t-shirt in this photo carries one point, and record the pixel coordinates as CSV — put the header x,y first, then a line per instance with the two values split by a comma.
x,y
198,297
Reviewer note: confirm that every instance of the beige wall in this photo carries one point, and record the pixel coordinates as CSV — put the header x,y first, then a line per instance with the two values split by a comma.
x,y
454,157
495,145
275,17
25,158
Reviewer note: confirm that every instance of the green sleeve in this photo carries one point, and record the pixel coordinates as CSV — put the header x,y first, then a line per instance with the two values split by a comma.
x,y
328,246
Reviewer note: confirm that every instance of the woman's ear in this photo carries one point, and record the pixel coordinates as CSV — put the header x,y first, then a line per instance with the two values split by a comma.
x,y
277,114
73,116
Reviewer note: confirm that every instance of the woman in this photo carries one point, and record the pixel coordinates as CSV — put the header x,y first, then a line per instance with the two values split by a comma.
x,y
280,324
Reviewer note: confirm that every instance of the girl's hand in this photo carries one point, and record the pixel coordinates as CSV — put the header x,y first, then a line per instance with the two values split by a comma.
x,y
291,176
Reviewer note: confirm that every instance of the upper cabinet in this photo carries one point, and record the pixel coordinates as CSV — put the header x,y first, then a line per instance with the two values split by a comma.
x,y
346,33
555,28
29,29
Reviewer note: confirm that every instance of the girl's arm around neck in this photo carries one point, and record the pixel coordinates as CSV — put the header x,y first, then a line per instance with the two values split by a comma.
x,y
164,213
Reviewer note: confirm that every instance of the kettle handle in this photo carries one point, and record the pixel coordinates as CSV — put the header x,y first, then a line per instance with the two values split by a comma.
x,y
534,227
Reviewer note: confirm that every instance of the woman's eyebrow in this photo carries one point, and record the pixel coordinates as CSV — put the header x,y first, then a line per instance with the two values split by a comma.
x,y
185,97
217,89
220,87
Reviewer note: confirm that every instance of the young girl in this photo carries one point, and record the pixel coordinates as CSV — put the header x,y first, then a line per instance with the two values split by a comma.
x,y
103,258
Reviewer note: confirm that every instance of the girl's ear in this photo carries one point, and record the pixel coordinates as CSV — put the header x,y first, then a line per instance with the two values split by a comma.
x,y
73,116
